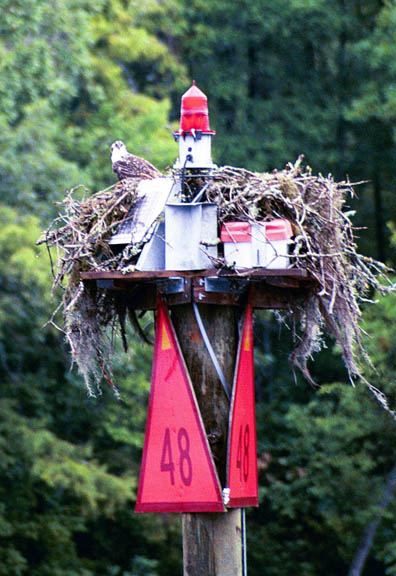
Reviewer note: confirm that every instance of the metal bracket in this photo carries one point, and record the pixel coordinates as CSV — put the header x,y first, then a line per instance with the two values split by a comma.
x,y
172,285
227,285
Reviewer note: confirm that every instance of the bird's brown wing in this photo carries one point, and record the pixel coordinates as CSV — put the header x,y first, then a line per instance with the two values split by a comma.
x,y
135,167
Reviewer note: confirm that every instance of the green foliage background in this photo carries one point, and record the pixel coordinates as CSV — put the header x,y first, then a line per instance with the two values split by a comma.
x,y
283,78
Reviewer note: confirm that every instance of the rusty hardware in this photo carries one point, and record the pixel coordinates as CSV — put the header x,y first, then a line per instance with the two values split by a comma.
x,y
226,285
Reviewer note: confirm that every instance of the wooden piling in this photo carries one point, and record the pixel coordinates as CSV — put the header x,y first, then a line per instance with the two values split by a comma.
x,y
212,543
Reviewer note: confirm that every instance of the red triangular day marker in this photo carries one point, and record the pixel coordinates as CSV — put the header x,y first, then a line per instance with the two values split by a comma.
x,y
177,472
242,445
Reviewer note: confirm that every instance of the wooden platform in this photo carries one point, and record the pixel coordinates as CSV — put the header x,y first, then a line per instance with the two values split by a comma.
x,y
277,289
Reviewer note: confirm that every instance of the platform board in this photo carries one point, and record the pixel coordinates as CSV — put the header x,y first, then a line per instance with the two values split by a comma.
x,y
270,289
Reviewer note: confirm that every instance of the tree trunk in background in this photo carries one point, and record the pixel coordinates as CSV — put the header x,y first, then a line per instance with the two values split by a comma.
x,y
342,80
379,217
366,543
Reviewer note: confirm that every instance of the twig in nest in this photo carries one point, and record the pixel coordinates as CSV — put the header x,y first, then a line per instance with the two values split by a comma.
x,y
324,246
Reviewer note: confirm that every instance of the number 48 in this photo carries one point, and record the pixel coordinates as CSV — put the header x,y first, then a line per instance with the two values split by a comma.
x,y
185,464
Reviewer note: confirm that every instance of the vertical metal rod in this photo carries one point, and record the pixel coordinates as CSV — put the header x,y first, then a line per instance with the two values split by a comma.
x,y
244,544
209,348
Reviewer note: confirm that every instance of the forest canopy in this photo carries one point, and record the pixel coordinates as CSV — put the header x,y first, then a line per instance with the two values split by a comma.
x,y
282,79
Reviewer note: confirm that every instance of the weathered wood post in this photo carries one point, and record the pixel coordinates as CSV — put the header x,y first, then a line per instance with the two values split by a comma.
x,y
212,541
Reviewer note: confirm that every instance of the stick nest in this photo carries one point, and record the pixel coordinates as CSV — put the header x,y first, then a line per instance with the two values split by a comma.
x,y
324,245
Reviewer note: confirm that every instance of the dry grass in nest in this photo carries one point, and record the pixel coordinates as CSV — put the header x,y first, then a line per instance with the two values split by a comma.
x,y
80,237
324,246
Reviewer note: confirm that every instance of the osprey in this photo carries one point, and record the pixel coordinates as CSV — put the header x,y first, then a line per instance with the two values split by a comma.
x,y
126,165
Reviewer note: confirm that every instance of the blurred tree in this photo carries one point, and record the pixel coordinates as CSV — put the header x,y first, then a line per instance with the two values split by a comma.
x,y
324,457
303,76
68,89
43,59
69,464
300,76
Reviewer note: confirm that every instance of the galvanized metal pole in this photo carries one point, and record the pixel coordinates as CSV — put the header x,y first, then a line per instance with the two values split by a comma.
x,y
212,543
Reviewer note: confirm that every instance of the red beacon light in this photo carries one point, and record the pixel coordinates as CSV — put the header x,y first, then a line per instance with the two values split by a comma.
x,y
194,111
194,135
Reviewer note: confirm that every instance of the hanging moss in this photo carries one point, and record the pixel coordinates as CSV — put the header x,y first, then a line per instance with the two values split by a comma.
x,y
324,245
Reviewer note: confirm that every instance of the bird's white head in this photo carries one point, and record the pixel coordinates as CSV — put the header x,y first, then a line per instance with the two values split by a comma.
x,y
118,151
